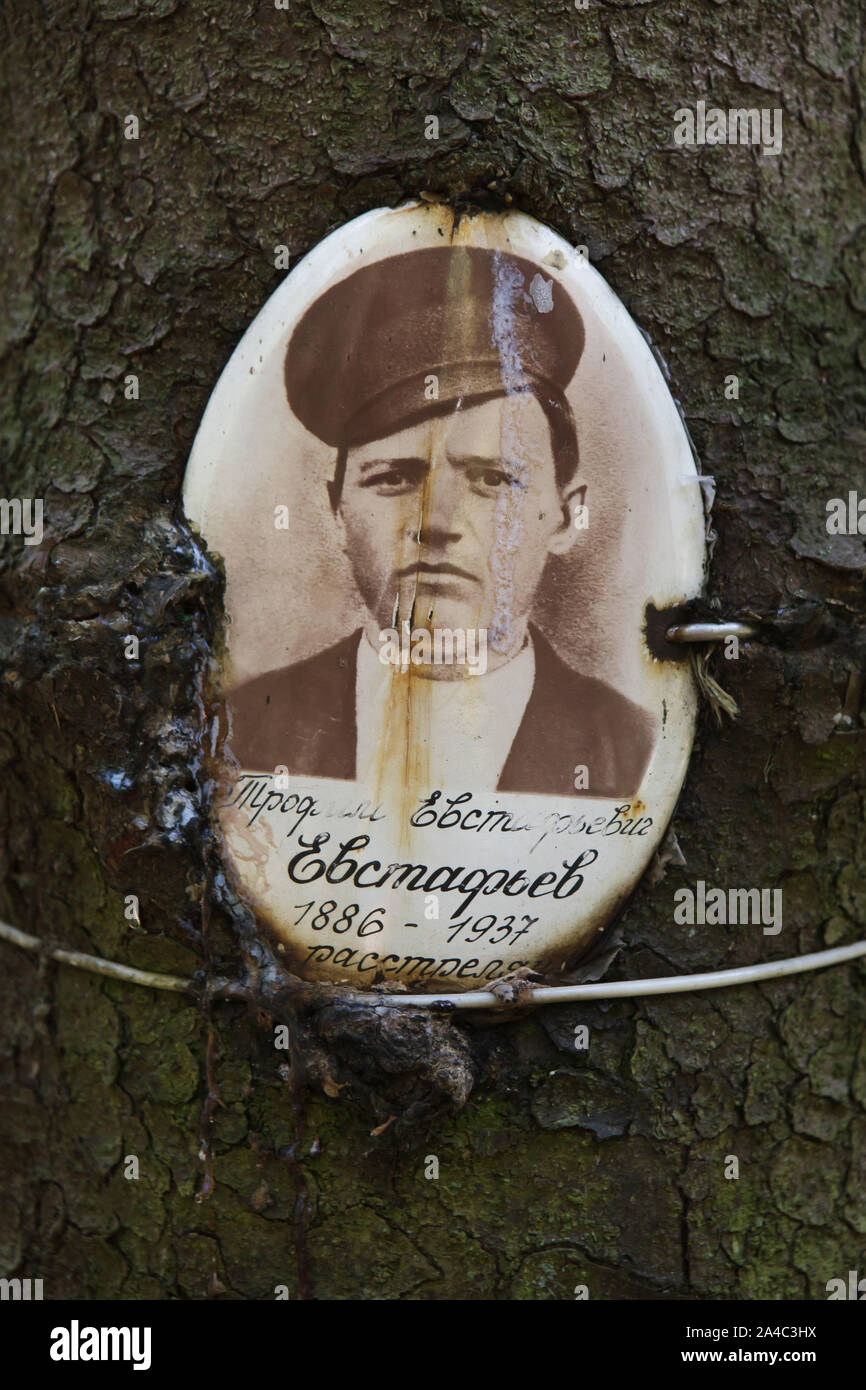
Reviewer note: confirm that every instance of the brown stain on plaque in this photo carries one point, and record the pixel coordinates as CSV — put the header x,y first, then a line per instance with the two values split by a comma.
x,y
403,767
251,838
404,763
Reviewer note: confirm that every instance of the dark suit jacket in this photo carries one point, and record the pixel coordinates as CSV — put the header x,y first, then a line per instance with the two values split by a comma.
x,y
303,717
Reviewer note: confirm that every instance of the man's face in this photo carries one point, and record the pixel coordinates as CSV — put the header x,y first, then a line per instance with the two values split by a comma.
x,y
448,524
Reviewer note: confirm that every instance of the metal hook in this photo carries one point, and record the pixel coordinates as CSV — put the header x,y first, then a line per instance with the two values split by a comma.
x,y
709,632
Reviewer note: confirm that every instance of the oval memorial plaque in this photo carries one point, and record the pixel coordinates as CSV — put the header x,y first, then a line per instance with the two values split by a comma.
x,y
448,483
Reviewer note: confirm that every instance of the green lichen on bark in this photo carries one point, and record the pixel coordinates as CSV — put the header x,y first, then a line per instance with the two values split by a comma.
x,y
261,127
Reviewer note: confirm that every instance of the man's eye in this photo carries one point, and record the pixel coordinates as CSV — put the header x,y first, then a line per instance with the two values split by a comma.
x,y
393,479
491,479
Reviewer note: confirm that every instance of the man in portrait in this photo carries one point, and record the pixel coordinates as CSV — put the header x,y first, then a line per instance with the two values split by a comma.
x,y
438,377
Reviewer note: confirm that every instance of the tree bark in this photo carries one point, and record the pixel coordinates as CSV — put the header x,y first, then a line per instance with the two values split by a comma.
x,y
260,127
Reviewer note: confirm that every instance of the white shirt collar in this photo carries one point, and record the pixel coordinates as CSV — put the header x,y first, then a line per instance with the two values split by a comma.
x,y
437,733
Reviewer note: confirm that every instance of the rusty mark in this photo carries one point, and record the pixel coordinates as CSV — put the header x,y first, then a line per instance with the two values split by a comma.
x,y
656,624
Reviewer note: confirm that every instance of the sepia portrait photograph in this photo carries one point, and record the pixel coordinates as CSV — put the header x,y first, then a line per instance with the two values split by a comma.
x,y
440,529
438,377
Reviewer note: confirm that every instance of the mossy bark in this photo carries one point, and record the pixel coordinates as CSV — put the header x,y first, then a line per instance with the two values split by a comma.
x,y
261,127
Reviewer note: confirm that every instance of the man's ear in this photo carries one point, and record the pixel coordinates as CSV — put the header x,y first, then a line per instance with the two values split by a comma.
x,y
575,518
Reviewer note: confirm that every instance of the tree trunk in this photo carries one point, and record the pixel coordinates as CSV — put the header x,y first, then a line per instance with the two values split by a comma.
x,y
147,257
